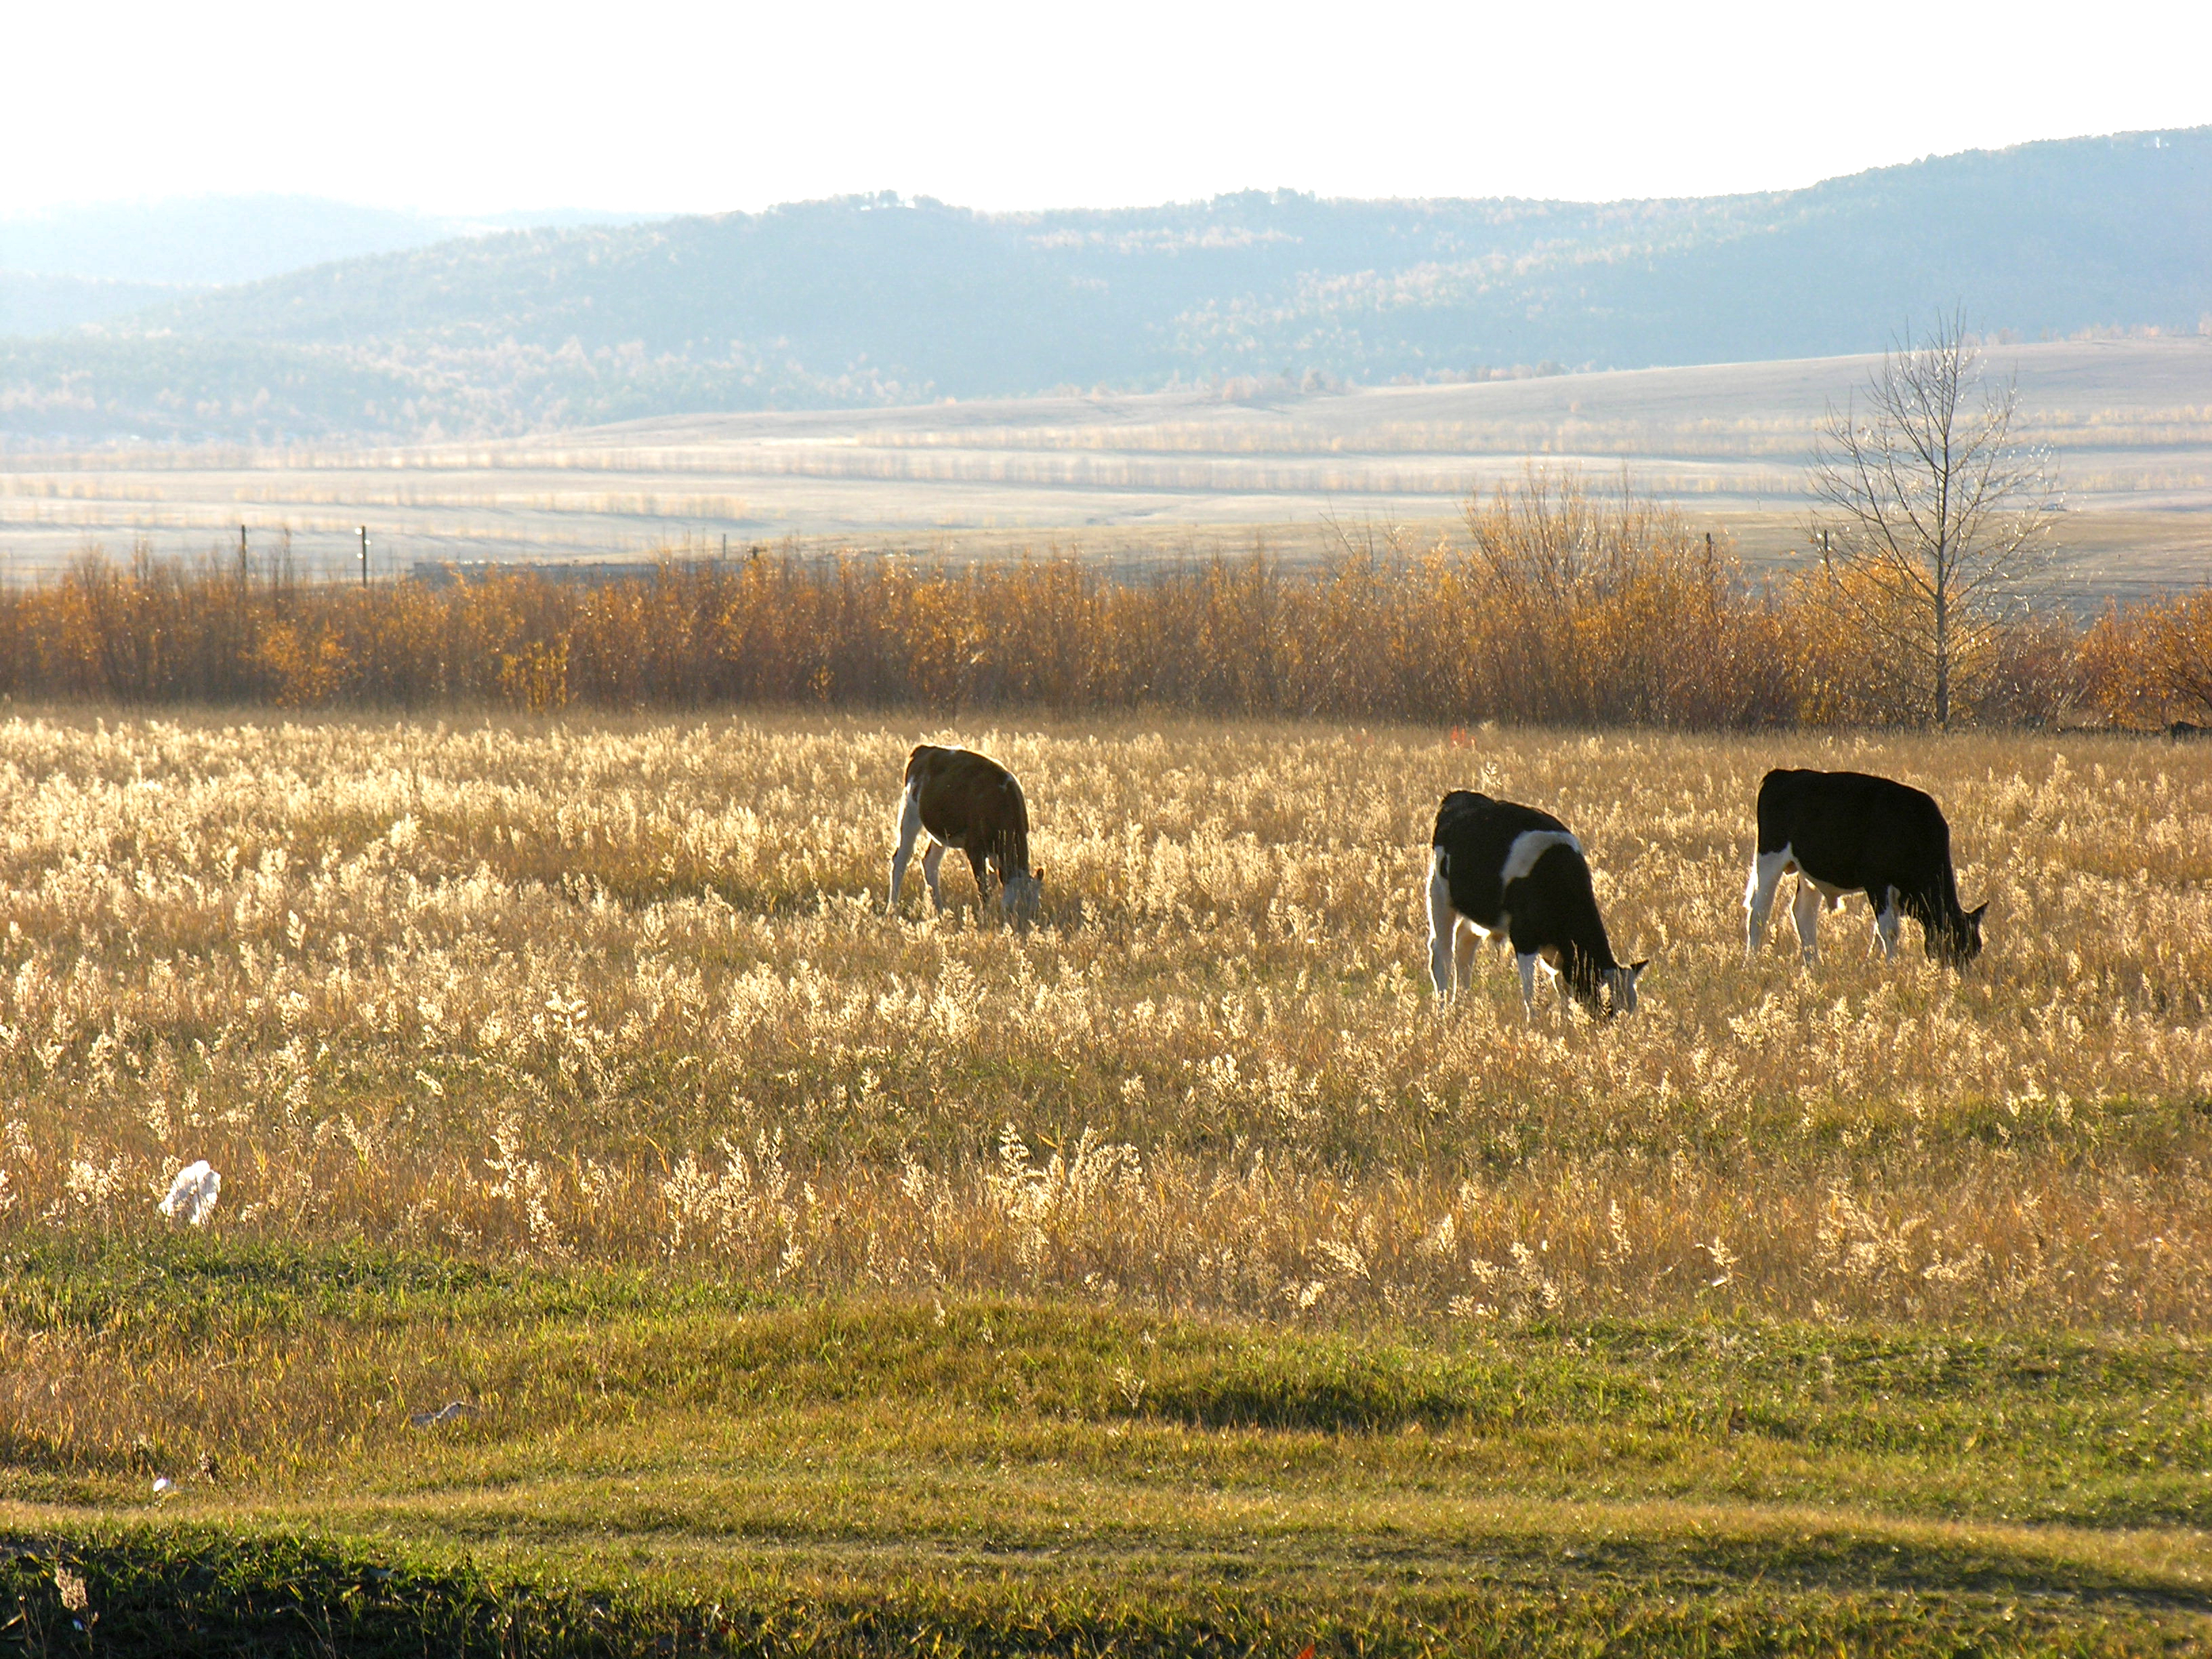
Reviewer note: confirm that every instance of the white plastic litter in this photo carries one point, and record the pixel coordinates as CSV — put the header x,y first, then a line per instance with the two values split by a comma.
x,y
192,1193
451,1409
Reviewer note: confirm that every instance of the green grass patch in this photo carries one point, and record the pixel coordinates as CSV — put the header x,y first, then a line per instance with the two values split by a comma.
x,y
657,1461
206,1590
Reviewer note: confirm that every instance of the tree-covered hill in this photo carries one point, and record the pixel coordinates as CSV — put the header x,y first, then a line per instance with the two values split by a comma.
x,y
880,298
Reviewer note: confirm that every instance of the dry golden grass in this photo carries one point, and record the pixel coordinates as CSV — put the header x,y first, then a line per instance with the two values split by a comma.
x,y
617,992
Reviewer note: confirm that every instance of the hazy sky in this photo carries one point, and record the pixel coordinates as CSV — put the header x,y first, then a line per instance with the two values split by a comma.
x,y
462,106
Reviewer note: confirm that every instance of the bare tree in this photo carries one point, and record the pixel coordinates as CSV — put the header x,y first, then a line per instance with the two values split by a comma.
x,y
1932,523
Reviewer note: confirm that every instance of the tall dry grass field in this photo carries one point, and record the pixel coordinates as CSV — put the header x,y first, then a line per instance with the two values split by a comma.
x,y
625,992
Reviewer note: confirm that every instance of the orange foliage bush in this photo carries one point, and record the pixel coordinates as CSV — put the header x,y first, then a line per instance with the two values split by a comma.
x,y
2152,664
1561,607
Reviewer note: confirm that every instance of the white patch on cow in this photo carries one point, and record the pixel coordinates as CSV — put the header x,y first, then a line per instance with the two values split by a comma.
x,y
1767,870
933,857
1530,846
1813,896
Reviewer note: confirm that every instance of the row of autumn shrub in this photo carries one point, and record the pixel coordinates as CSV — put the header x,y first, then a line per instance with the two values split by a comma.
x,y
1557,609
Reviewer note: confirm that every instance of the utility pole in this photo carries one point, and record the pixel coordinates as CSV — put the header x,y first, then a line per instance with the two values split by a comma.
x,y
241,555
364,555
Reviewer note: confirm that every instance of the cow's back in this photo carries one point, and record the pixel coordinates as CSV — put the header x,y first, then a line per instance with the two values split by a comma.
x,y
1855,831
1475,835
962,793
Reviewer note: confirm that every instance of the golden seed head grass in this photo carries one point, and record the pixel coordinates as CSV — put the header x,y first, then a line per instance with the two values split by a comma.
x,y
622,990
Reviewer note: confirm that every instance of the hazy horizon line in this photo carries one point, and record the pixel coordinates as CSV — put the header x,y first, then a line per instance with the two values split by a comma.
x,y
522,218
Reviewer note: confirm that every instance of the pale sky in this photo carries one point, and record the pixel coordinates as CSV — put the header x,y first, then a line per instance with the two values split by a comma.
x,y
460,107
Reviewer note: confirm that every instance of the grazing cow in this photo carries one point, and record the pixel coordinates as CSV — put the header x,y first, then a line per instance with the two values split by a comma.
x,y
959,799
1848,832
1495,868
2187,731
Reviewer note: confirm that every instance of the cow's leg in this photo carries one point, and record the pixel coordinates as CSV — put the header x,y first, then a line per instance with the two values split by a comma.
x,y
1805,911
1444,924
909,826
1885,921
1465,938
929,861
981,866
1766,872
1526,960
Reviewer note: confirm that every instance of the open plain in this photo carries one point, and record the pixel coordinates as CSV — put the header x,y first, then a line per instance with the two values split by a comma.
x,y
628,1236
1142,476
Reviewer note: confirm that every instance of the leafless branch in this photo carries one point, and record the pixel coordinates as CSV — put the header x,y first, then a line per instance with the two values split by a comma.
x,y
1935,522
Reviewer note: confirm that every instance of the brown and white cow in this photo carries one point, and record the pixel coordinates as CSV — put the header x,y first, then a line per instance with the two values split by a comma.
x,y
958,798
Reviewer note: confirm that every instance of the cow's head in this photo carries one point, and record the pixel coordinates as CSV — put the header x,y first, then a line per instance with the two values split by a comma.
x,y
1020,895
1958,941
1602,992
1620,983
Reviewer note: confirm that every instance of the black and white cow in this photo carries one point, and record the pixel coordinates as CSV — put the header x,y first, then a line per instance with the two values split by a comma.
x,y
1499,869
958,798
1851,832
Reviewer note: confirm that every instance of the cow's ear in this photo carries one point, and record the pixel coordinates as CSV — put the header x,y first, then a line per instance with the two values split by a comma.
x,y
1975,914
1635,968
1037,872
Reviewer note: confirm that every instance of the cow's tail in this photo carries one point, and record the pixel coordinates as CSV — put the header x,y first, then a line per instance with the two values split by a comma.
x,y
1773,813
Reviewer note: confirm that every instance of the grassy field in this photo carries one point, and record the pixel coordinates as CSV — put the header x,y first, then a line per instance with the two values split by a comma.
x,y
1177,1279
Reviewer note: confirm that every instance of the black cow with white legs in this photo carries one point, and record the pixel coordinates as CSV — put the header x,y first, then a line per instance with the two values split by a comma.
x,y
1500,869
1851,832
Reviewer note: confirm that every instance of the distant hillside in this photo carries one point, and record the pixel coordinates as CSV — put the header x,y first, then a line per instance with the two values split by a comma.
x,y
33,303
67,267
880,300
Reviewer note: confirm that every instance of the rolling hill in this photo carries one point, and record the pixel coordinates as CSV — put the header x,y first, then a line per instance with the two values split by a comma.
x,y
882,300
64,267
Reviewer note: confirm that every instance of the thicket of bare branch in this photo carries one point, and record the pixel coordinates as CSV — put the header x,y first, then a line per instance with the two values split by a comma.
x,y
1934,523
